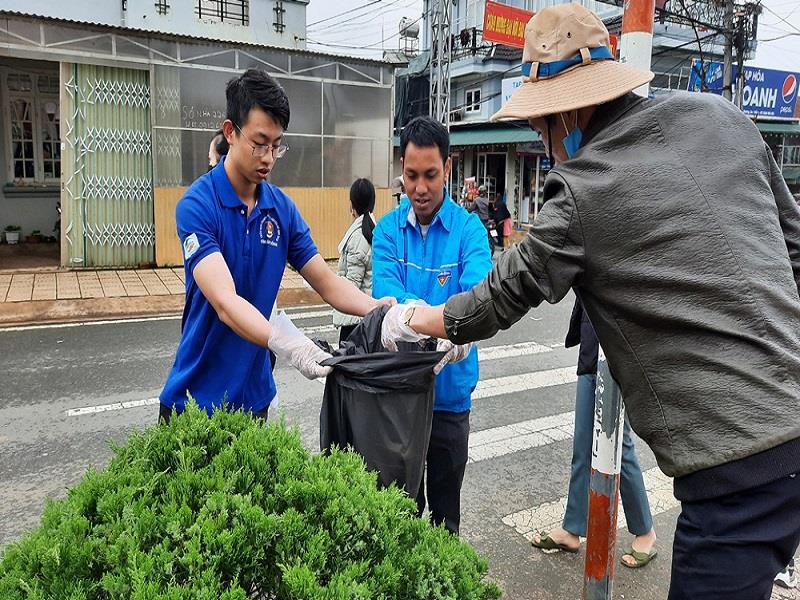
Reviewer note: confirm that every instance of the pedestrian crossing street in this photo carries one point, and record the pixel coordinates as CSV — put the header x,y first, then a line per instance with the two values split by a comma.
x,y
525,435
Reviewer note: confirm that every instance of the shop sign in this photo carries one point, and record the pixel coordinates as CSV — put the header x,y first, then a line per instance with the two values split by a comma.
x,y
505,24
767,92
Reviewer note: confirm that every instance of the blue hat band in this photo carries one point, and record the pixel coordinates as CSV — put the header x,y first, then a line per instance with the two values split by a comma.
x,y
551,69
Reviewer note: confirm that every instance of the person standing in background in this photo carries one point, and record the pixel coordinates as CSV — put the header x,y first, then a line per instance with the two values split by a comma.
x,y
355,250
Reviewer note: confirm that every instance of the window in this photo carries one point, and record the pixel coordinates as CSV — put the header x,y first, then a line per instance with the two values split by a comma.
x,y
473,102
162,7
33,123
223,11
279,24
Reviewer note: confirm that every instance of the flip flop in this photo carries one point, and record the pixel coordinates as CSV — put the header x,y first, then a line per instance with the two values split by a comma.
x,y
549,546
640,559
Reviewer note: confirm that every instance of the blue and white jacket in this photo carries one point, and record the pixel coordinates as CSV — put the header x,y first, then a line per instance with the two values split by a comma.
x,y
453,257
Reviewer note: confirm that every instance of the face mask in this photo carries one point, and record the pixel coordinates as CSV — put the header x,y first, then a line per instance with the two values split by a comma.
x,y
572,142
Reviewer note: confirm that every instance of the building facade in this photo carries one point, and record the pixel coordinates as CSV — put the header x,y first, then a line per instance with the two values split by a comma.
x,y
509,158
113,123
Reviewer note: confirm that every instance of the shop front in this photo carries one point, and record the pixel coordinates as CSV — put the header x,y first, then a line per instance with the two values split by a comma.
x,y
114,124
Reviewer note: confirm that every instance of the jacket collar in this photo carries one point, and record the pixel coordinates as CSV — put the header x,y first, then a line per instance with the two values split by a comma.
x,y
445,215
228,197
608,113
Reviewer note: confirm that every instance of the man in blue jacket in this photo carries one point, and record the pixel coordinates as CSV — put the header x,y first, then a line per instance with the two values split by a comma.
x,y
429,249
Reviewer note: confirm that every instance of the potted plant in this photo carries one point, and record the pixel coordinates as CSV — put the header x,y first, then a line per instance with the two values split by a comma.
x,y
12,234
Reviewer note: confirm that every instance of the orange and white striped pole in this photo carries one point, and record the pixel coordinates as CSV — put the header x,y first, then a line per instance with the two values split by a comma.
x,y
601,532
636,45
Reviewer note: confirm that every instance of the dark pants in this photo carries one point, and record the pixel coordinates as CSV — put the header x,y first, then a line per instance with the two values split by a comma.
x,y
344,332
446,461
733,546
165,413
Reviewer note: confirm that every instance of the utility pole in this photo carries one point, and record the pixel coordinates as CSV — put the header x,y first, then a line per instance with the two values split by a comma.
x,y
441,45
636,49
727,73
740,43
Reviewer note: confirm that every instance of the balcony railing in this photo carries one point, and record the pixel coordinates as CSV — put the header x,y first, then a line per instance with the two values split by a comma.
x,y
791,156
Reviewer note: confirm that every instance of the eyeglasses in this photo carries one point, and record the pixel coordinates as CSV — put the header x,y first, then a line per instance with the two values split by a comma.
x,y
260,150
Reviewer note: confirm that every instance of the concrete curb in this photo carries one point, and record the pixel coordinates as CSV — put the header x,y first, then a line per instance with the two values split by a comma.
x,y
37,312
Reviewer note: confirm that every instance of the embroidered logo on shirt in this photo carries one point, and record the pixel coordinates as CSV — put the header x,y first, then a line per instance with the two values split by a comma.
x,y
190,246
269,231
443,277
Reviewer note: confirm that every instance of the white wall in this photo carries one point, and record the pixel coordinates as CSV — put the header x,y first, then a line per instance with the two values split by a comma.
x,y
180,18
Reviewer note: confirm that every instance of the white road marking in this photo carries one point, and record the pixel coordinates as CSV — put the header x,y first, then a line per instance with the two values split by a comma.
x,y
89,410
312,314
485,389
522,383
508,439
512,350
549,515
88,323
317,329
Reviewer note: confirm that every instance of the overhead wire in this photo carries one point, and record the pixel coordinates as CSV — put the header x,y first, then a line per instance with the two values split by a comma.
x,y
341,14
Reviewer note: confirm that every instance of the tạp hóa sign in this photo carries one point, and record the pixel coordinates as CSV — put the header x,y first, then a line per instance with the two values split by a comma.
x,y
504,24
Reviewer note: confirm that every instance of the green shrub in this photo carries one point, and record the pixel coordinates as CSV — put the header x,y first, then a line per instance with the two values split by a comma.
x,y
231,508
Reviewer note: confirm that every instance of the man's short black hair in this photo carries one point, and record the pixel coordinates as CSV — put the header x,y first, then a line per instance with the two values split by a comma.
x,y
425,132
256,89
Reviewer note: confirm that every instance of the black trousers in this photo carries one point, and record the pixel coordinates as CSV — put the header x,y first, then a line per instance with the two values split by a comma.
x,y
165,413
446,461
345,331
733,546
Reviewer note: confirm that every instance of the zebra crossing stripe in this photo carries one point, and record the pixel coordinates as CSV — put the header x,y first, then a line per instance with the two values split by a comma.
x,y
508,439
521,383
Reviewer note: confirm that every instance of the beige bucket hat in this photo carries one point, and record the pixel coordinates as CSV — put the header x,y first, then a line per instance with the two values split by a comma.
x,y
567,65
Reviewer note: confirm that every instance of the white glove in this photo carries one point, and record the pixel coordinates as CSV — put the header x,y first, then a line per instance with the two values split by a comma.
x,y
395,329
291,345
454,353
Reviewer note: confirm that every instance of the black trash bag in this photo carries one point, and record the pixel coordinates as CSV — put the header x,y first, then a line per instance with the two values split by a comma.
x,y
381,403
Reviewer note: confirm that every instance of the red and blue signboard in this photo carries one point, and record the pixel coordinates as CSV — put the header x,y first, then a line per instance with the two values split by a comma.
x,y
767,93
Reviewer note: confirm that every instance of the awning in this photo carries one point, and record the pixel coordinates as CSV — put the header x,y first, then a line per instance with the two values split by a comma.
x,y
492,135
791,174
475,136
765,127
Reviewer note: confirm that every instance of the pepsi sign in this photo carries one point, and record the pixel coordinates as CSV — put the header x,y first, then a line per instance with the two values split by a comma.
x,y
767,93
790,88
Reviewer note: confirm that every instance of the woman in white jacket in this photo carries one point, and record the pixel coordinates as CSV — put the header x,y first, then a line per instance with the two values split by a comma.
x,y
355,249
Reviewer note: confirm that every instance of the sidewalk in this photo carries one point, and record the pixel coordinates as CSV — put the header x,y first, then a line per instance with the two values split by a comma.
x,y
32,297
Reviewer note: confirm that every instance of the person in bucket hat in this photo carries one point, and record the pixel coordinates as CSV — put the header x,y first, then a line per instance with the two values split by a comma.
x,y
670,220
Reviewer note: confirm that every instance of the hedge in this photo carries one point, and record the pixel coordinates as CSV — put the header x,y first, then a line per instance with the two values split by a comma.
x,y
233,508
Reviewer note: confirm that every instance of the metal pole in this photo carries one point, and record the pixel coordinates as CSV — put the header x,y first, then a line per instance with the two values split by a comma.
x,y
727,73
636,48
439,107
601,537
740,42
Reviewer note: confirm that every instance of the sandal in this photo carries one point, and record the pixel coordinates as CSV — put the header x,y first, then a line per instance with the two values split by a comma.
x,y
640,559
549,546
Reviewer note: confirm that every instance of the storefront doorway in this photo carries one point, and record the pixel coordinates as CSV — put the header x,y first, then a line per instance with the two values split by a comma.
x,y
30,163
491,172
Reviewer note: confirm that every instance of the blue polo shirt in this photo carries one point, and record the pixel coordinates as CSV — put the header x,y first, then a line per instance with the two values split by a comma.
x,y
212,362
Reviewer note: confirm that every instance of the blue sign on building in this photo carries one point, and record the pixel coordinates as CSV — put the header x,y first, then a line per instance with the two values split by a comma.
x,y
767,93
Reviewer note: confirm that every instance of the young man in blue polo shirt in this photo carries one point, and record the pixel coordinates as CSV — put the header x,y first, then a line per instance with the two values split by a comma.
x,y
238,231
428,249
